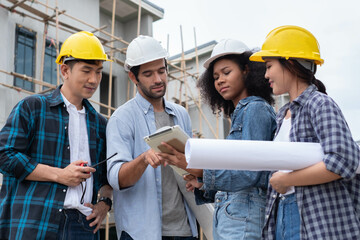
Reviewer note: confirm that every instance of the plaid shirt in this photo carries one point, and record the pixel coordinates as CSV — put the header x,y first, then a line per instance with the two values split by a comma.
x,y
330,210
36,132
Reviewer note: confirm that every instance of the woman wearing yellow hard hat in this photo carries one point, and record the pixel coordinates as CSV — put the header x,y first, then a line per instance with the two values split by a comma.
x,y
321,201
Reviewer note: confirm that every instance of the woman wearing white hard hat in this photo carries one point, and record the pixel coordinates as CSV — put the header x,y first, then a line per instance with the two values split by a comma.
x,y
320,201
235,85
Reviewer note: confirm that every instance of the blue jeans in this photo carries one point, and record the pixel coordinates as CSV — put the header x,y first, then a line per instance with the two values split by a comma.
x,y
126,236
239,215
74,225
288,219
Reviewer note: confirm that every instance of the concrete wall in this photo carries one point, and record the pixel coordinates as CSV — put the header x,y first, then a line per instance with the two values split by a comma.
x,y
87,10
8,97
145,27
122,87
118,72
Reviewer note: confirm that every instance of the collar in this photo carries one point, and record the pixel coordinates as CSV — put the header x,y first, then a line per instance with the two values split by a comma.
x,y
243,102
297,102
305,95
70,105
56,99
146,106
246,100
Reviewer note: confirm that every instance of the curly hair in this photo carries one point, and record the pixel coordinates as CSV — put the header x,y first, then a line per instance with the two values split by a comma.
x,y
255,83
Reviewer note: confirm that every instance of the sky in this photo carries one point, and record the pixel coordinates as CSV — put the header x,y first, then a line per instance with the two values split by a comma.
x,y
335,24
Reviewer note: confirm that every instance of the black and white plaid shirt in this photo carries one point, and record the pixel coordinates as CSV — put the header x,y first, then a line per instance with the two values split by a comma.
x,y
331,210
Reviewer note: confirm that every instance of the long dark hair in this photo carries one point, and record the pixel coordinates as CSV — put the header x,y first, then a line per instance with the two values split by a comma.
x,y
298,70
255,83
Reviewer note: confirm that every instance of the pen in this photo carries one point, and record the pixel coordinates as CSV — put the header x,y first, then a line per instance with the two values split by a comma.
x,y
95,165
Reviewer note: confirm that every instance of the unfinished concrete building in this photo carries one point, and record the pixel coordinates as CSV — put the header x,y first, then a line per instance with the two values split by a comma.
x,y
34,31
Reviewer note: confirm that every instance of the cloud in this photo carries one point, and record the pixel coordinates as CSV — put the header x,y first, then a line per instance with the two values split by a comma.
x,y
334,24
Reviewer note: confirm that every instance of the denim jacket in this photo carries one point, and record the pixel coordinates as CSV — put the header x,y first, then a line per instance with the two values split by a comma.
x,y
252,119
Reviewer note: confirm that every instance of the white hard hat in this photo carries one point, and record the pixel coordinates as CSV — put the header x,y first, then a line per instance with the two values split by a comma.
x,y
143,49
226,47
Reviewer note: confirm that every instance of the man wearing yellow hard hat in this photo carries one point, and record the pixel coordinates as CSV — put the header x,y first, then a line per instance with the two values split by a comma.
x,y
46,147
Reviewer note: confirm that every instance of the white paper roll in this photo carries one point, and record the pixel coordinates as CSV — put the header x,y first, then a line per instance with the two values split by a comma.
x,y
251,155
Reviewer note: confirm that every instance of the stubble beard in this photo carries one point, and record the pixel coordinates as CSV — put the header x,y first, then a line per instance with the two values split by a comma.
x,y
150,95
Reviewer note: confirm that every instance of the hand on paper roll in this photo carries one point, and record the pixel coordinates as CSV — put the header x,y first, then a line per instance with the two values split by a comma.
x,y
278,182
175,157
191,183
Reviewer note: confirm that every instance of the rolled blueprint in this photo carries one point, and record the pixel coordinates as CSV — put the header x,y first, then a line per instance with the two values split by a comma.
x,y
251,155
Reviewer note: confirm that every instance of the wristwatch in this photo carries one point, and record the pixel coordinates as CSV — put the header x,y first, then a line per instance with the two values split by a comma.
x,y
107,201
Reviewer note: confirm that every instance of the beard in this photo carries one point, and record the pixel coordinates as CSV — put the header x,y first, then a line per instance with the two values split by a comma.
x,y
150,94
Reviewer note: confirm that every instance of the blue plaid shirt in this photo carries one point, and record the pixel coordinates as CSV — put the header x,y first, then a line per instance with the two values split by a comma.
x,y
331,210
36,132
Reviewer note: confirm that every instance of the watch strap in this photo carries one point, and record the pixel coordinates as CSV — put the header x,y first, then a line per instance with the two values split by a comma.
x,y
106,200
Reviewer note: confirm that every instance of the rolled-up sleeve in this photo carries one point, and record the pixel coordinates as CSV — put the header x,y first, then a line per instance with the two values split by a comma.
x,y
119,140
233,180
15,138
341,153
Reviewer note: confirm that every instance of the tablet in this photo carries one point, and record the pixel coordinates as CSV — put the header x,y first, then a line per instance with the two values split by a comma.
x,y
174,136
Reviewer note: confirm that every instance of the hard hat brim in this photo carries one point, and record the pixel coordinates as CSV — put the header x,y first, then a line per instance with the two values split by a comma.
x,y
128,66
213,58
259,57
60,59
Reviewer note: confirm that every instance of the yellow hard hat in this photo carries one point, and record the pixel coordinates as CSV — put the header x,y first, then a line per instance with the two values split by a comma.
x,y
82,45
289,42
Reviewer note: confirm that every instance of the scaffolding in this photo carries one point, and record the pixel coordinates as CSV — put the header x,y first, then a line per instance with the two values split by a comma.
x,y
50,19
28,9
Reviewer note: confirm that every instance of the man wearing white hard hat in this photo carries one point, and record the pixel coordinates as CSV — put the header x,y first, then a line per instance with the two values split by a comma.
x,y
148,203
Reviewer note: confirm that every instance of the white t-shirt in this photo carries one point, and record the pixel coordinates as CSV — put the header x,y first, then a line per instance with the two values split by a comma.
x,y
284,136
79,150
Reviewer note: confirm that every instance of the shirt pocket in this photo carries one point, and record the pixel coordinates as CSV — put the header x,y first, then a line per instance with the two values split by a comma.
x,y
235,132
